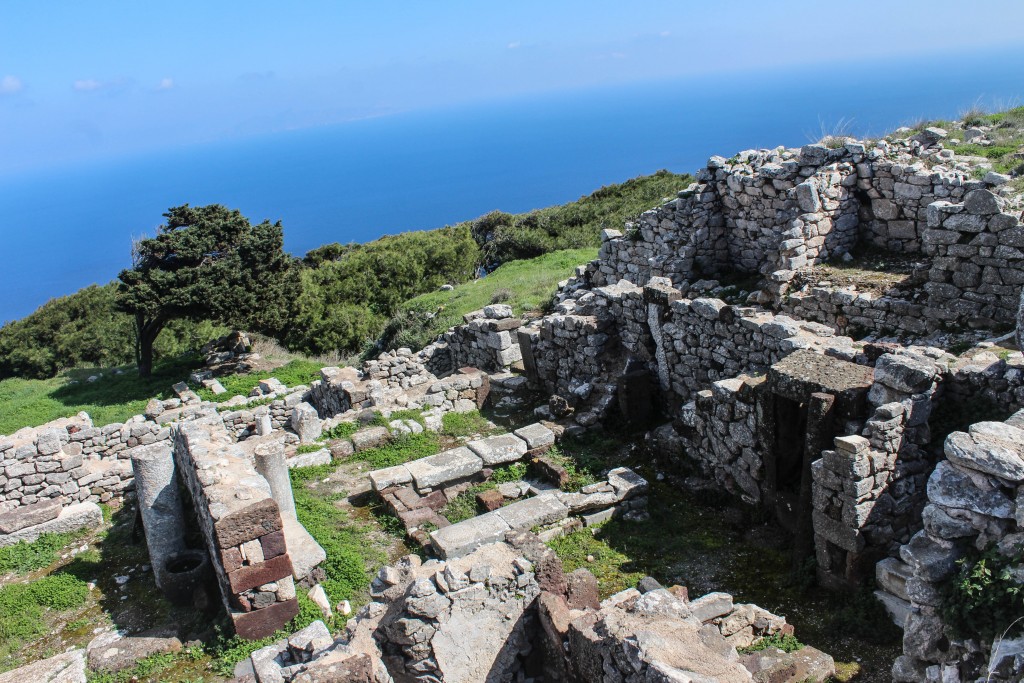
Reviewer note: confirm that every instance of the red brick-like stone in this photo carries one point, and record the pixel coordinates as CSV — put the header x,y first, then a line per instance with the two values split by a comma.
x,y
230,559
435,501
247,524
273,545
417,517
490,500
244,578
409,497
265,622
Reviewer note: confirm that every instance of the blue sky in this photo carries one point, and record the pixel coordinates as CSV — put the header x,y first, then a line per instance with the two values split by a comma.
x,y
85,81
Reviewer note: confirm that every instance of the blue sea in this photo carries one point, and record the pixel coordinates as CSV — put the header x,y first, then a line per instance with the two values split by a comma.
x,y
66,228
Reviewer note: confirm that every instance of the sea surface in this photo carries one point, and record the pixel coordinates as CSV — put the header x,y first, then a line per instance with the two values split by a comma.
x,y
69,227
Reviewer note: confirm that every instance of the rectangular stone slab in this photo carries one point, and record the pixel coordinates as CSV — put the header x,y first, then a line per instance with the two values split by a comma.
x,y
244,578
497,450
458,463
71,518
28,515
248,523
465,537
532,512
264,622
536,435
390,476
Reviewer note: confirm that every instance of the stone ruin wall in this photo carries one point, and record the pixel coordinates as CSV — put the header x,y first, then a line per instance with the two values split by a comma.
x,y
775,212
242,527
975,498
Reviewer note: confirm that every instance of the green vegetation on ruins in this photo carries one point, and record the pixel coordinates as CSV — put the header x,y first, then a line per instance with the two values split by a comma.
x,y
347,293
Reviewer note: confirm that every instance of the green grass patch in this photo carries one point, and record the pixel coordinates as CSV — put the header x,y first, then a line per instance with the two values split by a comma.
x,y
526,285
309,448
464,505
343,430
403,449
111,398
615,571
292,374
342,537
23,606
464,424
22,557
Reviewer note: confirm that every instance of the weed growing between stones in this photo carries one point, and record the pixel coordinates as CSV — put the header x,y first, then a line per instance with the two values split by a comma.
x,y
785,642
984,596
401,450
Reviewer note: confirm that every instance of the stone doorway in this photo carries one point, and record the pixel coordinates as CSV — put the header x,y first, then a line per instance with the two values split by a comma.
x,y
788,449
808,400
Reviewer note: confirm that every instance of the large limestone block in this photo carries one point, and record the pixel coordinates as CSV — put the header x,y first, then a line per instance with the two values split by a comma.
x,y
532,512
994,448
65,668
536,436
452,465
306,423
71,518
497,450
463,538
28,515
390,476
951,488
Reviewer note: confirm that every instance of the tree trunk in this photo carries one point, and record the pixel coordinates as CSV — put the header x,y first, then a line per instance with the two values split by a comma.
x,y
145,334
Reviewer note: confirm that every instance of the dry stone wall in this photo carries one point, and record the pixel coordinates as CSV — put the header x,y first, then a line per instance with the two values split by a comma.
x,y
975,498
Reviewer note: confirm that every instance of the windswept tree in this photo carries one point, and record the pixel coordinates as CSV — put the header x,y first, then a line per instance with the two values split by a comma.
x,y
207,263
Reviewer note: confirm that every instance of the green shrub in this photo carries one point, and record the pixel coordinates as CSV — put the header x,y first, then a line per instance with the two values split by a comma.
x,y
786,643
984,596
343,430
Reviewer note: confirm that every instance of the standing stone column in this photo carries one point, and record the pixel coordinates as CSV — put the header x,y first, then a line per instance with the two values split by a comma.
x,y
159,503
271,465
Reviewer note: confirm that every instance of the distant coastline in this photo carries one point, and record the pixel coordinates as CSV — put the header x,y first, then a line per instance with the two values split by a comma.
x,y
354,182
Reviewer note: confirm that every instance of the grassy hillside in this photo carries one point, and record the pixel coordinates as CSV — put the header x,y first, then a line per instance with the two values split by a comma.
x,y
349,292
526,285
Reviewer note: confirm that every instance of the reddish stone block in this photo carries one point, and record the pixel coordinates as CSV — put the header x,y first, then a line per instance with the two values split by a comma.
x,y
409,497
680,592
264,622
273,545
417,517
230,559
244,578
435,501
490,500
247,524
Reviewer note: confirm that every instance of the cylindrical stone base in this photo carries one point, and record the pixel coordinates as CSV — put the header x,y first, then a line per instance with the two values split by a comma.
x,y
160,505
271,465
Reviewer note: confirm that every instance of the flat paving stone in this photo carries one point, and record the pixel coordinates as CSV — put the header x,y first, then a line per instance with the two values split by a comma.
x,y
536,435
465,537
532,512
71,518
497,450
390,476
458,463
